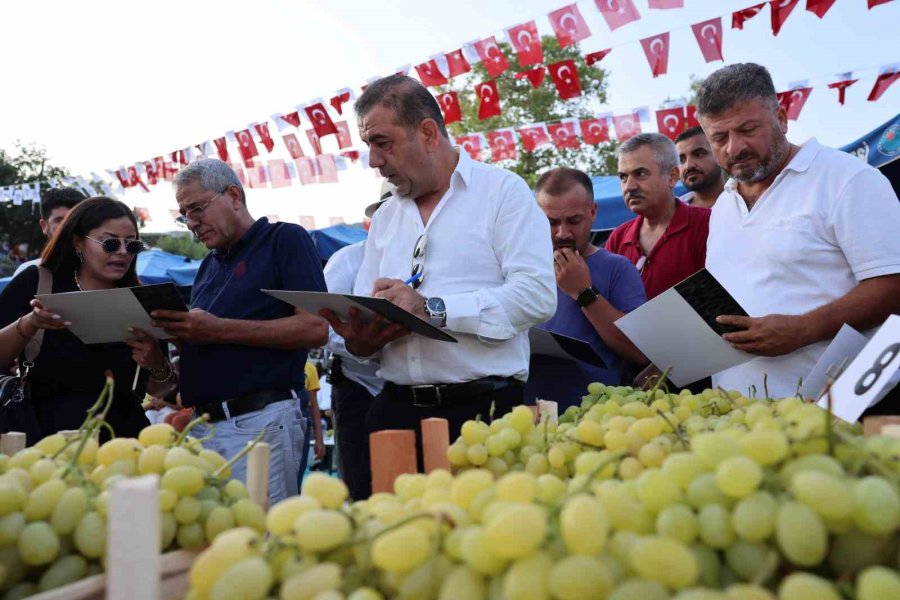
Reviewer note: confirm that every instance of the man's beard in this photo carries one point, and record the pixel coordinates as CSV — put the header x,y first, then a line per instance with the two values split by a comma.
x,y
777,151
707,181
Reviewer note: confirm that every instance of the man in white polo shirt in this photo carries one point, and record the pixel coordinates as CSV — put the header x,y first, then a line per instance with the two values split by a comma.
x,y
805,237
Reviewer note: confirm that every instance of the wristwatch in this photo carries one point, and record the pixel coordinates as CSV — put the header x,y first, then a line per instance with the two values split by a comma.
x,y
587,297
437,312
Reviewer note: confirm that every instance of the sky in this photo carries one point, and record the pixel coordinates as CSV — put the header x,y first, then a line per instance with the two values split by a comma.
x,y
106,83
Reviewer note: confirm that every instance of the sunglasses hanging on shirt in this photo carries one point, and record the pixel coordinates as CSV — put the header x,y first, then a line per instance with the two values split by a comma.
x,y
418,262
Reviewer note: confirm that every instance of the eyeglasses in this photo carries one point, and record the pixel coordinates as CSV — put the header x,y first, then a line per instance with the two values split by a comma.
x,y
197,212
112,245
418,262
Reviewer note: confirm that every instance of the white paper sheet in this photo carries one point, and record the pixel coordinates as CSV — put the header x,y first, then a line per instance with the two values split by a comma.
x,y
843,348
550,343
671,334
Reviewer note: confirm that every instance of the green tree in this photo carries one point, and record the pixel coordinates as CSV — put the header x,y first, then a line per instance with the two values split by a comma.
x,y
182,245
524,105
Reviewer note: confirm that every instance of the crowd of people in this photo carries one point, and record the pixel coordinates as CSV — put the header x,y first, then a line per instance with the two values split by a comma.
x,y
804,237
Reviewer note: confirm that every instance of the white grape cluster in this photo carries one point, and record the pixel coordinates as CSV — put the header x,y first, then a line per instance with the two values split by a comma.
x,y
54,499
634,496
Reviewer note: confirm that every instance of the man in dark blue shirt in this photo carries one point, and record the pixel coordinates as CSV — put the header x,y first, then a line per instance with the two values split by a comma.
x,y
594,288
243,351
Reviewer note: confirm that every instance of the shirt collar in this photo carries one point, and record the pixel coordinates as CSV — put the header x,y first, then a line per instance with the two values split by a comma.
x,y
679,222
799,164
462,172
245,239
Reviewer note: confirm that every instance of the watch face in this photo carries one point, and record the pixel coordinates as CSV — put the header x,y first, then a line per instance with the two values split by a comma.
x,y
436,306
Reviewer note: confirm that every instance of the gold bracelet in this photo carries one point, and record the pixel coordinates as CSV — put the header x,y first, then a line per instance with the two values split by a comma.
x,y
166,369
19,330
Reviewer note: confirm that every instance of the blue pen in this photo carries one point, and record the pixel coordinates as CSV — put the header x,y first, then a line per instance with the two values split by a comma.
x,y
413,278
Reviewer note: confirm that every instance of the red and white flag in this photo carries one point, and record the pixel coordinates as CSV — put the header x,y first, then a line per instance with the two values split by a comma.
x,y
595,57
472,144
656,49
307,222
292,118
841,87
247,146
664,4
819,7
534,136
670,122
327,169
626,126
488,100
534,76
564,135
793,101
307,169
526,41
781,9
320,119
874,3
314,141
739,17
262,130
430,74
617,12
692,116
449,103
594,131
569,25
221,148
293,145
257,176
502,144
279,174
343,135
457,63
709,38
885,79
565,78
150,170
337,102
491,56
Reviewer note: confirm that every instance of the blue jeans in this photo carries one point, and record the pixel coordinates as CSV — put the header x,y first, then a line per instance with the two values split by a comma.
x,y
284,432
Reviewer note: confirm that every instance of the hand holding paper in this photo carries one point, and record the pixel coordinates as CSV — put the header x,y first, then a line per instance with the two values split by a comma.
x,y
196,326
364,337
772,335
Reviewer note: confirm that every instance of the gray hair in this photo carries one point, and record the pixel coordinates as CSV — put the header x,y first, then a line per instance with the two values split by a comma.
x,y
212,174
740,82
664,152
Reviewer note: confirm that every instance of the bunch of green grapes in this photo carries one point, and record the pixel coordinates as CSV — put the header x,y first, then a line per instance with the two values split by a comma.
x,y
54,499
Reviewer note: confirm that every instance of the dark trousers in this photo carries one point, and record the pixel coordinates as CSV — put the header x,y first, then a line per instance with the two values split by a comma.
x,y
387,412
350,402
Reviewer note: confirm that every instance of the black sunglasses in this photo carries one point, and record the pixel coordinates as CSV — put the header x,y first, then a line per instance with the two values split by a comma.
x,y
112,245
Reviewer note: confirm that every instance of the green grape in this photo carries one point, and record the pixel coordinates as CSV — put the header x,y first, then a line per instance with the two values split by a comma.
x,y
521,419
477,556
184,480
751,561
474,432
497,466
496,445
651,455
639,589
72,505
12,498
667,561
766,447
462,583
477,454
236,490
118,449
537,464
715,526
168,527
754,517
556,456
528,578
21,591
853,551
630,468
158,434
713,448
738,476
512,438
90,535
425,580
823,493
876,506
517,487
801,534
11,527
467,485
709,564
43,499
400,550
248,513
550,489
813,462
744,591
878,583
516,531
219,519
367,593
190,536
64,571
51,444
282,516
186,510
456,454
805,586
14,567
152,460
42,470
38,544
704,491
624,512
683,467
322,529
678,521
699,594
580,578
248,579
656,490
23,459
584,525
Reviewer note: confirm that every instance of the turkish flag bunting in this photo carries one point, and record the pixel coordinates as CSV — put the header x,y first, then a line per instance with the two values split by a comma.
x,y
247,146
793,101
883,82
627,126
874,3
343,135
564,135
306,170
841,87
314,141
527,43
162,170
738,17
292,145
709,38
262,130
595,131
292,118
471,144
178,157
692,116
449,103
151,172
534,76
491,56
670,122
819,7
657,50
122,176
534,137
617,12
488,100
279,174
662,4
256,176
337,102
320,120
569,25
595,57
780,11
565,77
351,154
327,168
430,74
135,179
457,63
502,145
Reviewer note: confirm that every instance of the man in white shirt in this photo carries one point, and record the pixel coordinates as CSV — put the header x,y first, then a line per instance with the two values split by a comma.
x,y
804,237
480,247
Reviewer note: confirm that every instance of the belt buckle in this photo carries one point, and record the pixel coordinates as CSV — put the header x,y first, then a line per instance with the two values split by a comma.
x,y
415,389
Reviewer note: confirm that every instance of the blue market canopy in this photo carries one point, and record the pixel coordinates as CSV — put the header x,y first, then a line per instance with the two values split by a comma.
x,y
880,146
611,209
331,239
155,266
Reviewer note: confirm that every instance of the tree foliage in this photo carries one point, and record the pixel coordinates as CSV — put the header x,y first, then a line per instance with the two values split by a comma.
x,y
523,105
182,245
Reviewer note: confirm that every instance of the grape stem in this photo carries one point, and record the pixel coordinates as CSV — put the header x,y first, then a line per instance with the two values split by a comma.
x,y
240,454
677,429
651,394
187,429
766,385
92,421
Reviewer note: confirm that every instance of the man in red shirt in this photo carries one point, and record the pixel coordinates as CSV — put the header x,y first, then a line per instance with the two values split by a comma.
x,y
667,239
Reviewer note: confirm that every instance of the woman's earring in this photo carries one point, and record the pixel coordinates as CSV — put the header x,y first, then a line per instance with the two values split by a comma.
x,y
79,255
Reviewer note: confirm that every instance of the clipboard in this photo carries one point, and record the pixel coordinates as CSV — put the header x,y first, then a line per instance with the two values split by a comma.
x,y
341,304
556,345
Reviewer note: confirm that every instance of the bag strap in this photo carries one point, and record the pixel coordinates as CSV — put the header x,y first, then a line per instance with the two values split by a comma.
x,y
45,286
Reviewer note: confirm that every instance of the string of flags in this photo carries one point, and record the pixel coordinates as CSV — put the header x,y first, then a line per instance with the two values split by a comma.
x,y
332,146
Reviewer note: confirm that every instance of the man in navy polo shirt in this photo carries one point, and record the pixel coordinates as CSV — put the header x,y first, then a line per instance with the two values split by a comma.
x,y
243,351
594,288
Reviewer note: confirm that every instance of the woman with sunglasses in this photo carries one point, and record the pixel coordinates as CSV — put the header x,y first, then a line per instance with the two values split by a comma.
x,y
94,249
